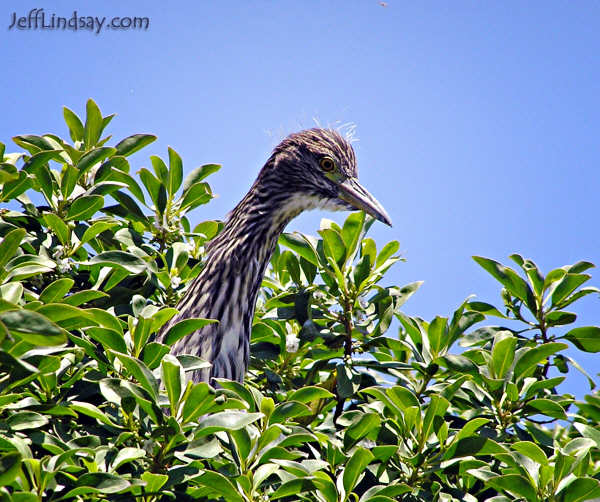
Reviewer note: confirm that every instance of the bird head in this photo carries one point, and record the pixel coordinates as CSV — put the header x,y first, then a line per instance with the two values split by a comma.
x,y
316,168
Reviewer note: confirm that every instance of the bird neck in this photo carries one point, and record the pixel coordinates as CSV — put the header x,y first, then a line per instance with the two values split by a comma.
x,y
253,227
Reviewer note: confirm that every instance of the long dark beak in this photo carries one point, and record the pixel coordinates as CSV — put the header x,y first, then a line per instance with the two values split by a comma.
x,y
354,194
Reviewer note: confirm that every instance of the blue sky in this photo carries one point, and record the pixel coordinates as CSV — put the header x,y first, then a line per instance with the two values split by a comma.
x,y
477,121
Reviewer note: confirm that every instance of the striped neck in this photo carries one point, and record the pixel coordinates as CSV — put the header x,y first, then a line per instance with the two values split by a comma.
x,y
251,231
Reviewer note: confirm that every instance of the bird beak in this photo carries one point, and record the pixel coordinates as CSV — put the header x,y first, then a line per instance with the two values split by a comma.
x,y
352,192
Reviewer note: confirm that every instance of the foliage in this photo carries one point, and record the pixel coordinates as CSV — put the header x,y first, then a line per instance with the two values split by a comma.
x,y
335,408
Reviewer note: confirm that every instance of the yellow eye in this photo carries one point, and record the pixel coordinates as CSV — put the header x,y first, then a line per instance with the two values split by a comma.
x,y
327,164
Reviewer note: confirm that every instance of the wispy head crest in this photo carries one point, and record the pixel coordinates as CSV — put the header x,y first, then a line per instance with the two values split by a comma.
x,y
348,131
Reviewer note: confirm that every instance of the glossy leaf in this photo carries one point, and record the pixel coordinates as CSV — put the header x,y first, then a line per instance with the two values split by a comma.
x,y
83,208
185,327
503,353
120,259
198,174
355,468
74,124
585,338
175,172
33,327
133,143
93,124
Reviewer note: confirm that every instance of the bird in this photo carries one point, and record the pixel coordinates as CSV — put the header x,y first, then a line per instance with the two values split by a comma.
x,y
310,169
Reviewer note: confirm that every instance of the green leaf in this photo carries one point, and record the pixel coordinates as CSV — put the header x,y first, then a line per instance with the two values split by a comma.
x,y
155,188
352,232
586,338
126,455
198,401
58,226
83,208
10,467
160,168
388,250
8,172
503,353
355,468
485,308
70,175
385,493
26,420
154,482
109,338
515,484
105,188
123,177
120,259
220,485
535,276
198,175
554,276
11,292
56,290
363,425
10,245
560,318
140,372
13,189
93,124
37,165
293,487
289,409
74,124
172,377
226,420
91,410
333,245
152,354
437,335
84,296
568,284
577,295
301,245
160,318
532,357
435,409
470,427
175,172
105,319
546,407
93,157
582,489
33,327
127,208
96,229
531,450
514,284
185,327
197,194
133,143
402,397
589,432
310,393
347,381
103,482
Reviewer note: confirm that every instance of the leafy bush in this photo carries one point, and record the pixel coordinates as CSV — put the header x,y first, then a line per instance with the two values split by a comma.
x,y
333,408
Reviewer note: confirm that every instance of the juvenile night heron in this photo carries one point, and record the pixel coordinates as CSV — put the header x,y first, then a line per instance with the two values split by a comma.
x,y
310,169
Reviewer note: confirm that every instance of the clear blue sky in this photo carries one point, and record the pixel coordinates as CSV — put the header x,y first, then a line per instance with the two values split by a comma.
x,y
478,121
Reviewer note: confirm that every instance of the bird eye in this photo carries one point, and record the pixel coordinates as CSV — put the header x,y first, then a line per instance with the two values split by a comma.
x,y
327,164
